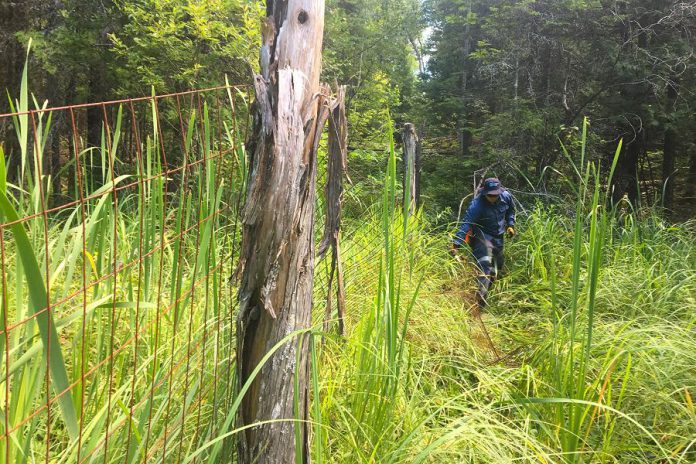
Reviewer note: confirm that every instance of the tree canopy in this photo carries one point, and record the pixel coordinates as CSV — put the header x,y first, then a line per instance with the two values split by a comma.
x,y
490,84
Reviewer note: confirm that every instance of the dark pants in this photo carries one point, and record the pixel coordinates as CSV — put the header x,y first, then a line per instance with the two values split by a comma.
x,y
488,253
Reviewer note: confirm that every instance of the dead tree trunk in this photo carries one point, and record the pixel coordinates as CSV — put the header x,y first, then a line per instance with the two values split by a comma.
x,y
410,140
626,180
55,161
277,251
336,168
419,155
670,146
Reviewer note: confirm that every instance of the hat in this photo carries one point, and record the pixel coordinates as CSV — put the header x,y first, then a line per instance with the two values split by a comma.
x,y
491,186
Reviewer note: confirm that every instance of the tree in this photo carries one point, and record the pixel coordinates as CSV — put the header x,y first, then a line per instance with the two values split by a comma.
x,y
511,78
277,252
176,45
15,18
368,47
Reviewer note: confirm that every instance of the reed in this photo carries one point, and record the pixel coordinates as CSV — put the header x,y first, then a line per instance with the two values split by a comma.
x,y
133,340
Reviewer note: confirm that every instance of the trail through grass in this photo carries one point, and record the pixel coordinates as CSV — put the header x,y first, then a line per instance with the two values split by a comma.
x,y
594,321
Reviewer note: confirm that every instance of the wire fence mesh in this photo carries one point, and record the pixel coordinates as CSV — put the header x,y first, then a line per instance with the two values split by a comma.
x,y
116,253
118,242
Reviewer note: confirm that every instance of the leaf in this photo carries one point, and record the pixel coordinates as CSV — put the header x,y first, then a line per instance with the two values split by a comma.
x,y
38,298
92,264
3,180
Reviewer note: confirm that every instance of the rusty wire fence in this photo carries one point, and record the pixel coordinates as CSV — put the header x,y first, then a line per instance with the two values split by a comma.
x,y
119,233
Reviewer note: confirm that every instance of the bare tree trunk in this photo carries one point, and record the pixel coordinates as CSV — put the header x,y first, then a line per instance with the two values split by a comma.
x,y
465,138
55,160
95,122
626,178
94,113
516,85
417,51
669,147
419,154
277,251
338,156
410,140
58,127
72,191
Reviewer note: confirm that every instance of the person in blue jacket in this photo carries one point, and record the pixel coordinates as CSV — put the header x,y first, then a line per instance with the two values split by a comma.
x,y
488,218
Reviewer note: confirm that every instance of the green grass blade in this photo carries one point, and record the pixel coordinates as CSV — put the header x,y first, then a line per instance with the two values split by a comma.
x,y
318,438
37,300
3,180
232,413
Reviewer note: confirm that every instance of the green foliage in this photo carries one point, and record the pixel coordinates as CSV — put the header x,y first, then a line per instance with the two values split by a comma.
x,y
368,46
507,79
94,51
178,45
370,116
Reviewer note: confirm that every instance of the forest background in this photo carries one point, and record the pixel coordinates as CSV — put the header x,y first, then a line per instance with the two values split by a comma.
x,y
491,85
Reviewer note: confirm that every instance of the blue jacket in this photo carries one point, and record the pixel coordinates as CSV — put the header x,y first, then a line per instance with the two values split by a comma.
x,y
491,219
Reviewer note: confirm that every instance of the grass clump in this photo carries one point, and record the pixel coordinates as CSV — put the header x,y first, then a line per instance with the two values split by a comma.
x,y
593,355
139,324
455,403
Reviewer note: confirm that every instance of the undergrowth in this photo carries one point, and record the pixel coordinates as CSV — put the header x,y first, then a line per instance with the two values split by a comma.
x,y
457,402
587,352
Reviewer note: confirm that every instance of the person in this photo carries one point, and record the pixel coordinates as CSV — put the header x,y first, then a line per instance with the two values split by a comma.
x,y
488,218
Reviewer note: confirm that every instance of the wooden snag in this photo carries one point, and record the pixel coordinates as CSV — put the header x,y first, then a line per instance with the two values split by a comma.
x,y
336,169
419,155
277,250
410,141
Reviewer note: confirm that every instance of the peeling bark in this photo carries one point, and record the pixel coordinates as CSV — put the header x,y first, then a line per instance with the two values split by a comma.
x,y
418,165
410,140
277,251
336,169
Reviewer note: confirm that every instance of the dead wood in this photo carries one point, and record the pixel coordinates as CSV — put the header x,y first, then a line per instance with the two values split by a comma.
x,y
277,250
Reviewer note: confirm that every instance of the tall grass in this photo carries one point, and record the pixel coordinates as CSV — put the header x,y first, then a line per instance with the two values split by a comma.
x,y
137,355
568,357
593,320
379,356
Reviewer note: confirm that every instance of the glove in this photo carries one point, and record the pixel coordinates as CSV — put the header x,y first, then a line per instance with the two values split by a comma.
x,y
510,232
453,250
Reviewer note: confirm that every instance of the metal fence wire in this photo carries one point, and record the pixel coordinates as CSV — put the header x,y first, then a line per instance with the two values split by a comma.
x,y
119,233
116,249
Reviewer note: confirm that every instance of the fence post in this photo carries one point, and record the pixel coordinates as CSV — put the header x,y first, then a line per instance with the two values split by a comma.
x,y
277,251
410,140
336,168
417,165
